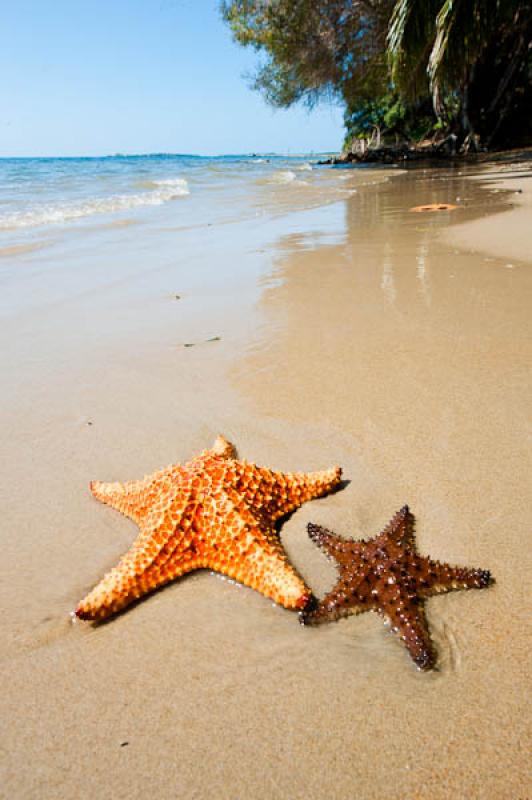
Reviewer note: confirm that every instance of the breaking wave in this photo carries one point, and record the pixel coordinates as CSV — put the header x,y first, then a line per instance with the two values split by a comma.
x,y
284,176
178,183
54,213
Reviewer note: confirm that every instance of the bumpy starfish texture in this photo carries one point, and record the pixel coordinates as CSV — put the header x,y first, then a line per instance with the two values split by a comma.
x,y
385,574
214,512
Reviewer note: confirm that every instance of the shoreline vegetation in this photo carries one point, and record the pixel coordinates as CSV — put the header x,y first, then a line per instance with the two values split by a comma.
x,y
416,79
363,152
430,152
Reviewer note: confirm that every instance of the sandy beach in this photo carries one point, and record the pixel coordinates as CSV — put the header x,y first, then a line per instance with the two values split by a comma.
x,y
345,330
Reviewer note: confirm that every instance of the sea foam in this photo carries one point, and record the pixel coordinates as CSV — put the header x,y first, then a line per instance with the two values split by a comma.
x,y
56,213
283,176
178,183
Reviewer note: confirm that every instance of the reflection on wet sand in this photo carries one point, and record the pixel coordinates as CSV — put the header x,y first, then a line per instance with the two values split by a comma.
x,y
410,361
388,281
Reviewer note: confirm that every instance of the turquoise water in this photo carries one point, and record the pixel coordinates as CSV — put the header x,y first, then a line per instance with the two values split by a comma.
x,y
81,227
42,194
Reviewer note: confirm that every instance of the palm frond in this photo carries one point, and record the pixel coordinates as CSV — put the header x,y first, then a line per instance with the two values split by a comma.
x,y
409,41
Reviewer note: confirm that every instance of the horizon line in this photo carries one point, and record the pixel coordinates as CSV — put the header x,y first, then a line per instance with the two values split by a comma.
x,y
155,154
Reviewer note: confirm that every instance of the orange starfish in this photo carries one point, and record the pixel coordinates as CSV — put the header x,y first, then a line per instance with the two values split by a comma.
x,y
434,207
214,512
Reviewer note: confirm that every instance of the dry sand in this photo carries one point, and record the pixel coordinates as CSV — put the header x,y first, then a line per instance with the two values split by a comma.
x,y
374,342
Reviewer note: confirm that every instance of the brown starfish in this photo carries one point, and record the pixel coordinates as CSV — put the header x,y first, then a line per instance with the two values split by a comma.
x,y
386,575
213,512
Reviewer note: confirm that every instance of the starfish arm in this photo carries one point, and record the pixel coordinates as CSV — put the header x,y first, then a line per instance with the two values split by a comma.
x,y
130,498
399,531
122,586
276,494
134,499
341,550
436,578
250,552
342,601
269,573
408,621
161,552
291,489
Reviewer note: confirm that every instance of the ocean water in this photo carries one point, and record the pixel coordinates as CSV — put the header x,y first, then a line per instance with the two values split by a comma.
x,y
40,197
78,235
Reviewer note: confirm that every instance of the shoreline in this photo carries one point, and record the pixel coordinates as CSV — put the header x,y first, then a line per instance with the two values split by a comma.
x,y
501,235
352,333
433,155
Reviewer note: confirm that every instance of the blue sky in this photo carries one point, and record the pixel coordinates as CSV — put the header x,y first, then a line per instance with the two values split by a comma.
x,y
90,77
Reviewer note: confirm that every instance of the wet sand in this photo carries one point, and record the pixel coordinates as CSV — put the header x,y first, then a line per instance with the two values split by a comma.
x,y
395,344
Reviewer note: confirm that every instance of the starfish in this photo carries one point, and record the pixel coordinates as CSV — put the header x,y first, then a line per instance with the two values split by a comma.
x,y
214,512
385,574
435,207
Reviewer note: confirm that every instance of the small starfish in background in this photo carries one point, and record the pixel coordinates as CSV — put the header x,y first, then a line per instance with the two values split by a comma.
x,y
387,575
214,512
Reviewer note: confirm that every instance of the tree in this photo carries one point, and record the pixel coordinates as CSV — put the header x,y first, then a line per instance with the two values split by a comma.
x,y
386,60
472,55
314,48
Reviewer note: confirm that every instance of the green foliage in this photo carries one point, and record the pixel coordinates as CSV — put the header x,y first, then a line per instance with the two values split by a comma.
x,y
391,116
385,112
403,67
456,49
314,48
